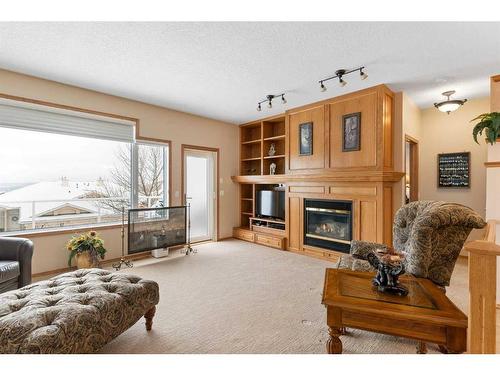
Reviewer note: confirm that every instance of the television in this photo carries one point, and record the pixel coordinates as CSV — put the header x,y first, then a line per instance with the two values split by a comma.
x,y
271,204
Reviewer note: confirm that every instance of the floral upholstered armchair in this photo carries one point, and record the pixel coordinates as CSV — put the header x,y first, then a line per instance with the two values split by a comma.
x,y
429,233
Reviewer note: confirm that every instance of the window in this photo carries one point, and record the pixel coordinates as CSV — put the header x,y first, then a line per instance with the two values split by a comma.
x,y
59,169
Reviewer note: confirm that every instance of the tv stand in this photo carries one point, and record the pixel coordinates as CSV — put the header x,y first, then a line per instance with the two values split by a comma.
x,y
267,225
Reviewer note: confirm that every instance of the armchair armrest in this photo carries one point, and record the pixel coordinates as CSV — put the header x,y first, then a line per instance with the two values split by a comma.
x,y
21,250
361,249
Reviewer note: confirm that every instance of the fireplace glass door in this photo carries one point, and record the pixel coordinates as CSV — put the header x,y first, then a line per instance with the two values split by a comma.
x,y
328,224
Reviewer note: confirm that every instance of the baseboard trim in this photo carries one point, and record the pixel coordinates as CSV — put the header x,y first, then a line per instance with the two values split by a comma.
x,y
104,263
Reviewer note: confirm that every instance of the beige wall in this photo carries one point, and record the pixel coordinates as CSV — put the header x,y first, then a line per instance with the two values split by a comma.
x,y
443,133
155,122
408,122
437,133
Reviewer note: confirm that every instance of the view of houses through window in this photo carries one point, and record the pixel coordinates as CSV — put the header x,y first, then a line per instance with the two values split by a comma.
x,y
53,180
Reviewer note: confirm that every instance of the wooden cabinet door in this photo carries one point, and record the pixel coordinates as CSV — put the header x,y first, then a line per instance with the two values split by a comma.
x,y
366,156
368,220
316,160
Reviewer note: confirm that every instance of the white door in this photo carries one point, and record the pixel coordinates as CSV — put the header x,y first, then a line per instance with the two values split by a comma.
x,y
199,192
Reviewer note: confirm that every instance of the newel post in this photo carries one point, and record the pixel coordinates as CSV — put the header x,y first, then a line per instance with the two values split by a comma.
x,y
482,292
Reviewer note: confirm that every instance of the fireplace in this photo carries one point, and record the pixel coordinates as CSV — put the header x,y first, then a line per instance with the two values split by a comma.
x,y
328,224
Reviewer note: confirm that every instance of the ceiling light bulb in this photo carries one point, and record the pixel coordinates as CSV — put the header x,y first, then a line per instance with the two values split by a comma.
x,y
323,87
342,83
259,108
283,100
270,104
363,75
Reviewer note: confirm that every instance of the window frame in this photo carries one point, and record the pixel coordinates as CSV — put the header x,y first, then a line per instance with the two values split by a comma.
x,y
167,166
167,153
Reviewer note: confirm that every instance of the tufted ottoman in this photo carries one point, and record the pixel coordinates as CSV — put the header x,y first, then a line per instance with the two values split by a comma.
x,y
77,312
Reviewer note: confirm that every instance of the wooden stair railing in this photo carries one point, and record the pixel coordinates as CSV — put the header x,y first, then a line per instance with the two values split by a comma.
x,y
482,292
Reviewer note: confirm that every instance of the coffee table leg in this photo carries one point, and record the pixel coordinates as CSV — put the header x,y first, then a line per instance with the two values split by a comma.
x,y
443,349
334,345
421,347
149,318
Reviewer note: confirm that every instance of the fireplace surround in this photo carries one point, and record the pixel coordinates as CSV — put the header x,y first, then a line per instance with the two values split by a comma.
x,y
328,224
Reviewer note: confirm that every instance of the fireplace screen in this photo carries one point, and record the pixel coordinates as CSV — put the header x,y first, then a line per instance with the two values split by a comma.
x,y
328,224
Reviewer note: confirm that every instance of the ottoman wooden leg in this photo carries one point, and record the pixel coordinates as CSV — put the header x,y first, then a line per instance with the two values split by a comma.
x,y
149,317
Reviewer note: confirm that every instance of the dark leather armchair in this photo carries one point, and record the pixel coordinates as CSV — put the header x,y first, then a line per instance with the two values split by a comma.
x,y
429,233
15,263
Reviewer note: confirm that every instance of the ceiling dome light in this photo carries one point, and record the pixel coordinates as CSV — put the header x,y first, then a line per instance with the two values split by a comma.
x,y
449,105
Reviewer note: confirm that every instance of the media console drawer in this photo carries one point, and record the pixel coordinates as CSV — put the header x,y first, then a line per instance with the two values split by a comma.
x,y
243,234
276,242
265,239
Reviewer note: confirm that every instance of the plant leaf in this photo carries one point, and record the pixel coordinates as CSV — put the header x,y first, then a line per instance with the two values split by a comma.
x,y
478,129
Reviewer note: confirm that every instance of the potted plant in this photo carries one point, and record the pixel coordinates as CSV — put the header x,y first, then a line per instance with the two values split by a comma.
x,y
88,248
490,122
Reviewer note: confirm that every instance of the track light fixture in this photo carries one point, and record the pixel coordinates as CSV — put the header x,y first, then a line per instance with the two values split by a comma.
x,y
340,74
269,100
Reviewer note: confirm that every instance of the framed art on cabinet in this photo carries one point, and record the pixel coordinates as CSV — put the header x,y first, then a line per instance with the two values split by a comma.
x,y
351,132
306,139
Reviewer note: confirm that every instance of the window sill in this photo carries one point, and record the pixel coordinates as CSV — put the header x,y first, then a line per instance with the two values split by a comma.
x,y
58,231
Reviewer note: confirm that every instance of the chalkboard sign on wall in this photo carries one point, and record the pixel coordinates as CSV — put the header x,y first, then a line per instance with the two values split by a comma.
x,y
454,170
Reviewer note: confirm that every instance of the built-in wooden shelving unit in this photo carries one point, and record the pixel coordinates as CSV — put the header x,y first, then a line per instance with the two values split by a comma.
x,y
366,176
256,139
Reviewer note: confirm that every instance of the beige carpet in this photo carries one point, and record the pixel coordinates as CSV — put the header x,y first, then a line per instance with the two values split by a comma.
x,y
237,297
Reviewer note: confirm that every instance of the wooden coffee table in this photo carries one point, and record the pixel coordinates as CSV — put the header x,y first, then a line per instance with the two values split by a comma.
x,y
425,314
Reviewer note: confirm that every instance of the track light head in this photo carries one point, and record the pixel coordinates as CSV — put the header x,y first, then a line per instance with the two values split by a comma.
x,y
362,74
259,108
283,100
322,87
270,104
342,83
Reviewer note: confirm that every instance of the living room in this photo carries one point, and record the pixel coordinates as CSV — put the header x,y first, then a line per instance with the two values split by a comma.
x,y
165,191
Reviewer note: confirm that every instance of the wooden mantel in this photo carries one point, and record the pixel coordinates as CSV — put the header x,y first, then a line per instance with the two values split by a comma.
x,y
344,176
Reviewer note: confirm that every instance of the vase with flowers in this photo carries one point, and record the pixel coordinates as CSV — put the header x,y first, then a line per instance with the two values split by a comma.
x,y
87,248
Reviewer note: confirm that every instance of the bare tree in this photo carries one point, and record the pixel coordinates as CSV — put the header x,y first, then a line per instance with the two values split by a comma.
x,y
149,179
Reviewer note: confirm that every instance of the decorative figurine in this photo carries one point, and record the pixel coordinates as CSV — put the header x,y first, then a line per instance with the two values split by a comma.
x,y
389,265
272,168
272,150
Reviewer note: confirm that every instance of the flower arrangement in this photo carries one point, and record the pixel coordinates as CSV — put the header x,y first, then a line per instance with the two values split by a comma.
x,y
89,243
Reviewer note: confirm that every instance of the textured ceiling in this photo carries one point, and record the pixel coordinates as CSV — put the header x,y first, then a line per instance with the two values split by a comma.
x,y
221,70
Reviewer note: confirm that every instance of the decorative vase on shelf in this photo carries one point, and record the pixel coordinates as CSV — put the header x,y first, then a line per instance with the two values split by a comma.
x,y
272,150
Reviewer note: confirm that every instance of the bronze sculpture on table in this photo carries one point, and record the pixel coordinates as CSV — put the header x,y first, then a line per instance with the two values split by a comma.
x,y
389,265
